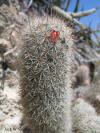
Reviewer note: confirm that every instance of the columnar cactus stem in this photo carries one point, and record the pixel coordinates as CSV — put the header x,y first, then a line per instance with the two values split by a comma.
x,y
45,63
85,118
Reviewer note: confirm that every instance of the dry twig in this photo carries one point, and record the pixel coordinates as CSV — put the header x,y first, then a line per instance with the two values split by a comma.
x,y
83,13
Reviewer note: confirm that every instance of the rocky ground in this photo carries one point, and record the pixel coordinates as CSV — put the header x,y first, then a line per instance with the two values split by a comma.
x,y
10,109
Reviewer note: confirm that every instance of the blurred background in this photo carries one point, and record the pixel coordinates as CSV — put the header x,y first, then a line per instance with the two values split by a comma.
x,y
92,20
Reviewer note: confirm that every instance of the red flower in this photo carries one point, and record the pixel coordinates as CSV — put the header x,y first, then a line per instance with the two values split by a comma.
x,y
54,35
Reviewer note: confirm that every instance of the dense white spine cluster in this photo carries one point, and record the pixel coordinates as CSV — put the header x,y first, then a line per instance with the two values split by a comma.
x,y
45,76
85,118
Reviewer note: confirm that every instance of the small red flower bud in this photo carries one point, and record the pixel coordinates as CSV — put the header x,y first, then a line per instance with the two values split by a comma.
x,y
54,35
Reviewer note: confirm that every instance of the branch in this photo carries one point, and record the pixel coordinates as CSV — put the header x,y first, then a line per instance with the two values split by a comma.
x,y
64,14
67,16
83,13
67,4
97,30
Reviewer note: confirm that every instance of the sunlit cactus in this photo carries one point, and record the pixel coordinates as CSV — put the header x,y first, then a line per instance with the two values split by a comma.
x,y
85,118
44,65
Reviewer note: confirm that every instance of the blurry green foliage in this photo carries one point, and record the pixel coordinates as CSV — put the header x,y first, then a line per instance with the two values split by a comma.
x,y
77,6
57,2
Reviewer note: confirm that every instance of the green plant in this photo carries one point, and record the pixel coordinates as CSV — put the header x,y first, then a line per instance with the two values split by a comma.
x,y
85,119
45,63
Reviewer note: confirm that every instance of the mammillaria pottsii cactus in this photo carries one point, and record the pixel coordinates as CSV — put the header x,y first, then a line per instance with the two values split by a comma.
x,y
85,118
45,63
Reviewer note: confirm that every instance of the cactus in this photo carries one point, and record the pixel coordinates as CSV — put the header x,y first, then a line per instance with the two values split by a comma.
x,y
44,65
85,119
